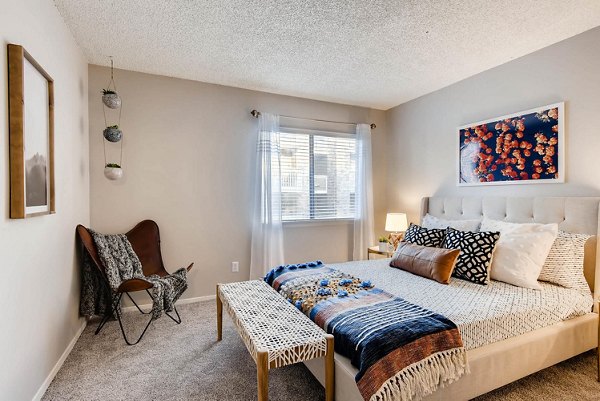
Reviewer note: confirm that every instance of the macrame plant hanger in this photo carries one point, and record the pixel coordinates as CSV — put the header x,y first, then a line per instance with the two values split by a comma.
x,y
112,133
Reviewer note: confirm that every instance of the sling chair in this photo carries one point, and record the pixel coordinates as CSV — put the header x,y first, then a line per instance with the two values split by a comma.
x,y
145,241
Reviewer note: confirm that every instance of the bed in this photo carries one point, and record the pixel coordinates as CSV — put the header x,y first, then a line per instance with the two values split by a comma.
x,y
502,346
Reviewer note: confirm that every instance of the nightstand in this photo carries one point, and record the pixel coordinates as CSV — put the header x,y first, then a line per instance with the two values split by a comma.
x,y
375,250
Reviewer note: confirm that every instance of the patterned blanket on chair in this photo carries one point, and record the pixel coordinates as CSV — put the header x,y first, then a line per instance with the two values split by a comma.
x,y
121,263
402,351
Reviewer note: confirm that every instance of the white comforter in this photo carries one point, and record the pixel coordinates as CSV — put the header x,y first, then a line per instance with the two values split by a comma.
x,y
483,314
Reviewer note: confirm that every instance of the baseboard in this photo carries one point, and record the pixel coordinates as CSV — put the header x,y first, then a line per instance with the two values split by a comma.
x,y
59,363
179,302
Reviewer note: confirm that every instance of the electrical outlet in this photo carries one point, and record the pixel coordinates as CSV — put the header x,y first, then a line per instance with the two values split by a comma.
x,y
235,267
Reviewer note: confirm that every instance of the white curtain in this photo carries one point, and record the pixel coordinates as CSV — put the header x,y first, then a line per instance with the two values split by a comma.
x,y
363,219
267,232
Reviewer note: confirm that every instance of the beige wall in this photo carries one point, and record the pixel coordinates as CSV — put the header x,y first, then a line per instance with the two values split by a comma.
x,y
40,279
422,133
188,160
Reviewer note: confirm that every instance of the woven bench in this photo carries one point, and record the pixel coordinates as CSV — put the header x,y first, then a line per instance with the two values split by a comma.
x,y
274,331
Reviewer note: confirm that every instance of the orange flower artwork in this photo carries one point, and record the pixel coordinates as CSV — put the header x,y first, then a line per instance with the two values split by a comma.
x,y
523,147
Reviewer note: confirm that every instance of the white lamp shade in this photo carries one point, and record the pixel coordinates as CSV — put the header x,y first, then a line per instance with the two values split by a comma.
x,y
396,222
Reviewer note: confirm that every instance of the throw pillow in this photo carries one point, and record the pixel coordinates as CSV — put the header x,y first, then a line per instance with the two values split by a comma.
x,y
422,236
430,221
476,250
433,263
521,251
564,264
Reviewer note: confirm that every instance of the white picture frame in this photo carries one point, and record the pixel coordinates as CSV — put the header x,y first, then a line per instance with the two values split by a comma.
x,y
478,152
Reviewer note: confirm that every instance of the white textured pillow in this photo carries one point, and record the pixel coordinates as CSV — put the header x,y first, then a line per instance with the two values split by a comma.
x,y
521,251
430,221
564,264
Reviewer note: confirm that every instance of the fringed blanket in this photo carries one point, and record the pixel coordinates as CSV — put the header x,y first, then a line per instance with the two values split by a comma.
x,y
401,350
121,263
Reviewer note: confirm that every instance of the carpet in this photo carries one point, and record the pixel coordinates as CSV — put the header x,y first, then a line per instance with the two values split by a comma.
x,y
185,362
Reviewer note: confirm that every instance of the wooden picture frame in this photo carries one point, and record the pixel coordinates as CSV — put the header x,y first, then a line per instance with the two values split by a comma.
x,y
527,147
31,135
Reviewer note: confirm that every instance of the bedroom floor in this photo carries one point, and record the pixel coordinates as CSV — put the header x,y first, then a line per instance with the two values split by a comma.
x,y
185,362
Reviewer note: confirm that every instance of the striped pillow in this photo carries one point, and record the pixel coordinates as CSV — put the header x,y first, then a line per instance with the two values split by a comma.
x,y
564,264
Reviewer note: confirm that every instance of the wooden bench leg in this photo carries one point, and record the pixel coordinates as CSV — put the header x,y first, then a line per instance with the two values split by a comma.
x,y
329,370
219,316
262,375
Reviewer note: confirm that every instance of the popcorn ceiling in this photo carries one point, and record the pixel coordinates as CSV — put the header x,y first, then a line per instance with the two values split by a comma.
x,y
370,53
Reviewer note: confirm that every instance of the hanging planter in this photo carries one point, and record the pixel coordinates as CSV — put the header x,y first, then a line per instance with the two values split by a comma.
x,y
111,99
113,133
113,171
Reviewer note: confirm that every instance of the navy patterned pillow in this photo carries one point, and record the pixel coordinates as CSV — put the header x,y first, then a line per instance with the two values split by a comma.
x,y
424,236
476,249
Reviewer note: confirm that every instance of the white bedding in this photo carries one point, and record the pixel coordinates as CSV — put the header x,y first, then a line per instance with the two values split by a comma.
x,y
483,314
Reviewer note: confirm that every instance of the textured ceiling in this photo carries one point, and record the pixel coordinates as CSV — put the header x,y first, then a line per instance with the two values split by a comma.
x,y
371,53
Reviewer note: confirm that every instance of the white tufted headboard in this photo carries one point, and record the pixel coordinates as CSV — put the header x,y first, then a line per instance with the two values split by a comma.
x,y
573,214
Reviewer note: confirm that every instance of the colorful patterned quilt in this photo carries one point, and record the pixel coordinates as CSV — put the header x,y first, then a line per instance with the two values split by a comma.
x,y
401,350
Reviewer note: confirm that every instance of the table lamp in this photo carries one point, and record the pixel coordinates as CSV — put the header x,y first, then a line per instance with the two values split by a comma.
x,y
396,223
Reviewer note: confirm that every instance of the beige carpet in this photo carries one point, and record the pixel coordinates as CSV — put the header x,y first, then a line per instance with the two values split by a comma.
x,y
186,363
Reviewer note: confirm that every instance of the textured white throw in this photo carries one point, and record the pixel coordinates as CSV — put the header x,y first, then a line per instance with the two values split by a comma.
x,y
483,314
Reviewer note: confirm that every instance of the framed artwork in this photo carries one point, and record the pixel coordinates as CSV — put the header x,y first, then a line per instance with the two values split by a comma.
x,y
520,148
31,137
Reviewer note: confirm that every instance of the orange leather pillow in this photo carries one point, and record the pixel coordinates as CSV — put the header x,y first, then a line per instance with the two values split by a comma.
x,y
433,263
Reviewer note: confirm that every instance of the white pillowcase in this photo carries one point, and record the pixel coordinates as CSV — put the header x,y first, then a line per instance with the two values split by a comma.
x,y
430,221
521,251
564,264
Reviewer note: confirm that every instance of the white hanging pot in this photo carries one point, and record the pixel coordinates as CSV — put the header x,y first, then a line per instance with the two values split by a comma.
x,y
113,173
111,99
113,133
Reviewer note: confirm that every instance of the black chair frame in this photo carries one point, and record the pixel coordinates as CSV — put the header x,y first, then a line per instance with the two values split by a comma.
x,y
145,240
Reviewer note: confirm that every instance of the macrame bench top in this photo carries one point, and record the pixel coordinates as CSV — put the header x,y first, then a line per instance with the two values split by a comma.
x,y
267,322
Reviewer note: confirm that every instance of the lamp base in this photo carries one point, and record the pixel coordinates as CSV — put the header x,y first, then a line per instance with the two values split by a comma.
x,y
395,238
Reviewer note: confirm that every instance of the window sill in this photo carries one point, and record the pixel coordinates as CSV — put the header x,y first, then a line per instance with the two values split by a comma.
x,y
317,222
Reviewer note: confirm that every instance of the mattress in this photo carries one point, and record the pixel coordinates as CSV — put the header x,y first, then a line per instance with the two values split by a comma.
x,y
483,314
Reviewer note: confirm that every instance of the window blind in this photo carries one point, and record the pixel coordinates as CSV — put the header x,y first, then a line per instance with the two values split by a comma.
x,y
317,175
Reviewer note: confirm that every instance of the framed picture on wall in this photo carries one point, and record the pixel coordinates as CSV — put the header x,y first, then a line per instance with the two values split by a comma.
x,y
31,137
526,147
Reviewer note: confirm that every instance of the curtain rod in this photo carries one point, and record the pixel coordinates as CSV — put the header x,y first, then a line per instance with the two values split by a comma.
x,y
256,113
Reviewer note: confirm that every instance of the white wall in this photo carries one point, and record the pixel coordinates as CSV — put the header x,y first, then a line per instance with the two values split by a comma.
x,y
422,133
188,153
188,160
40,273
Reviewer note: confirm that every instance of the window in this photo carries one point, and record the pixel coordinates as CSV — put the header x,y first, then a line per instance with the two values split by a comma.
x,y
317,175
